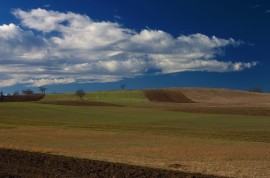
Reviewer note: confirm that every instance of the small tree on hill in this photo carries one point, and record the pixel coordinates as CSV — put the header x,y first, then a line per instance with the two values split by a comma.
x,y
123,86
27,92
80,93
42,89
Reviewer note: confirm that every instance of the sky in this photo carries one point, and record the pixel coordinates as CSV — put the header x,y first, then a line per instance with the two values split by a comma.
x,y
99,45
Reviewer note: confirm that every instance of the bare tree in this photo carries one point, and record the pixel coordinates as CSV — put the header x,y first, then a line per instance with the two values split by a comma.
x,y
42,89
80,93
27,92
16,93
123,86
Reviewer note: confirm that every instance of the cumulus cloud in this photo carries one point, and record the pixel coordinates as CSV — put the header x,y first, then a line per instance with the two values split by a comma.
x,y
16,44
51,47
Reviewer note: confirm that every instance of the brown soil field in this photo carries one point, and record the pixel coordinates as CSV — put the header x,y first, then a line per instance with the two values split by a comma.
x,y
213,101
77,103
14,163
167,95
215,109
225,96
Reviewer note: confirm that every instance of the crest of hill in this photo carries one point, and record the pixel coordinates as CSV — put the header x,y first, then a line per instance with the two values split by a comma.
x,y
176,95
225,96
208,95
167,95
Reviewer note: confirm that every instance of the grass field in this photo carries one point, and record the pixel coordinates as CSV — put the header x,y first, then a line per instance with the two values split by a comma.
x,y
107,95
230,145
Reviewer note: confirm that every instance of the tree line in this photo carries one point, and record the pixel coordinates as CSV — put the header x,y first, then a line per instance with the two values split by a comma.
x,y
26,92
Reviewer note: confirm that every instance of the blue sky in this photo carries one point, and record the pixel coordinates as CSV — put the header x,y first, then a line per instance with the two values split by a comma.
x,y
99,45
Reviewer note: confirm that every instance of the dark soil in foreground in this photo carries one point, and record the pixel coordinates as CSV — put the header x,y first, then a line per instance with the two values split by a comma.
x,y
15,163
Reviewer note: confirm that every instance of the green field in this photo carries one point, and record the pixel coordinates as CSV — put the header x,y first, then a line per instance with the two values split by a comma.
x,y
135,95
125,118
231,145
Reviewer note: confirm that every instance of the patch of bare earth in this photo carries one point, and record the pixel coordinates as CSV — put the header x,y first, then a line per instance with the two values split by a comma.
x,y
14,163
167,95
225,96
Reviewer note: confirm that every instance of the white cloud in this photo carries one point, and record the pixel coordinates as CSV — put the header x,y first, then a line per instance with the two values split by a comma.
x,y
17,44
50,81
8,82
52,47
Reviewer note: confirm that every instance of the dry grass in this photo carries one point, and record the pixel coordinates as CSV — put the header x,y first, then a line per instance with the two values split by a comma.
x,y
145,134
218,109
214,101
210,156
225,96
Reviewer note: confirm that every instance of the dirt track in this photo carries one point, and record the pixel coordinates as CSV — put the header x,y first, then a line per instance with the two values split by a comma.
x,y
14,163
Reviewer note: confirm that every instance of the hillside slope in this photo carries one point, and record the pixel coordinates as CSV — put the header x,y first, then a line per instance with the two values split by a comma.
x,y
225,96
198,96
167,95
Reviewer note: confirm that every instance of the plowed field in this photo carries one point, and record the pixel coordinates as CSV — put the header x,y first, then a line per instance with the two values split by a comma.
x,y
167,95
214,101
225,96
15,163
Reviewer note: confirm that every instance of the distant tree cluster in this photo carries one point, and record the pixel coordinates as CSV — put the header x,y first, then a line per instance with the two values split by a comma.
x,y
27,92
1,96
16,93
27,95
24,92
